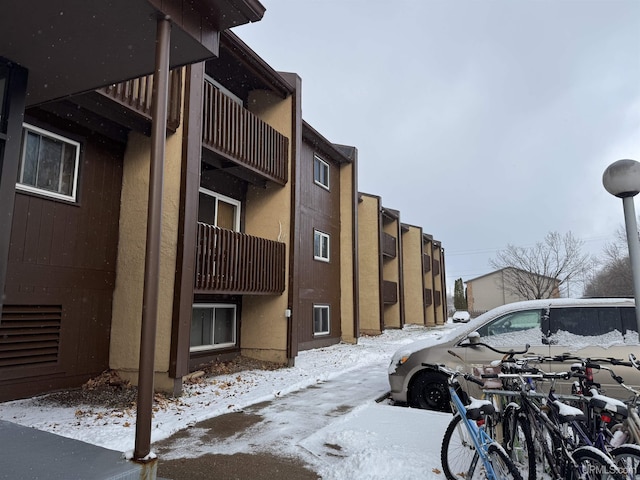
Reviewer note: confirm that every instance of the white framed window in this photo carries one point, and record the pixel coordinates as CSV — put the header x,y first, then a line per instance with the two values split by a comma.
x,y
320,172
320,246
48,164
213,325
321,320
218,210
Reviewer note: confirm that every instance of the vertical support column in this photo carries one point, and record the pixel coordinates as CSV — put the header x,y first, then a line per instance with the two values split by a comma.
x,y
13,87
154,233
188,226
634,250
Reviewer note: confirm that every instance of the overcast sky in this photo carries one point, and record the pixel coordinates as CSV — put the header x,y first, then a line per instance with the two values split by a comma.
x,y
487,123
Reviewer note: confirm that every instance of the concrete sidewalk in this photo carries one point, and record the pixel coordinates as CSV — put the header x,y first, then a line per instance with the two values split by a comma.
x,y
30,454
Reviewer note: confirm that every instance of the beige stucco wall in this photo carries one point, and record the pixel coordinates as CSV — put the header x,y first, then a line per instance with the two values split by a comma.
x,y
347,299
127,297
268,214
368,266
488,292
412,271
391,273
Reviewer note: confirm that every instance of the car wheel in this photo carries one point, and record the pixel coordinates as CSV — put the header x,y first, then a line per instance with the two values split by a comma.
x,y
429,391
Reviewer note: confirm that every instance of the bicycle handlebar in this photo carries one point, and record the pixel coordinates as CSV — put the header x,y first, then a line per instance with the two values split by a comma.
x,y
589,362
510,352
454,373
537,375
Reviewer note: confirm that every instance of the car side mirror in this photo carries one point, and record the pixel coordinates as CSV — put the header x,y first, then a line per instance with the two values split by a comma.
x,y
474,338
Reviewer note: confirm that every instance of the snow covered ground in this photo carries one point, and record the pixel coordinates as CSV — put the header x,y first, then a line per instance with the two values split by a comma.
x,y
375,440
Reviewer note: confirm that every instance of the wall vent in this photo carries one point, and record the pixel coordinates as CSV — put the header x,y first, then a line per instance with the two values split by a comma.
x,y
29,335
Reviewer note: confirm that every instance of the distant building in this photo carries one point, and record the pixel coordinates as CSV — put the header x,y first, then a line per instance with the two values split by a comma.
x,y
494,289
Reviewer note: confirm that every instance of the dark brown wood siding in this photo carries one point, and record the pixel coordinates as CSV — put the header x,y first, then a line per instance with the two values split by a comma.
x,y
319,281
61,276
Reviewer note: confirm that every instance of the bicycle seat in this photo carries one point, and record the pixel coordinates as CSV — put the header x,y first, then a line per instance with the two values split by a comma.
x,y
613,406
567,413
479,408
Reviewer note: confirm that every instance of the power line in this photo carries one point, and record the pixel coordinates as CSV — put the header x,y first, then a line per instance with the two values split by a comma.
x,y
497,249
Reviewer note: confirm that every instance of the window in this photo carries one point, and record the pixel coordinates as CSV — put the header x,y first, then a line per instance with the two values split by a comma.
x,y
218,210
213,326
320,172
321,319
514,328
48,164
629,322
320,246
585,321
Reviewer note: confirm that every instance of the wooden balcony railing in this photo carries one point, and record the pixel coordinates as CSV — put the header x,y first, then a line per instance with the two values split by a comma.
x,y
436,267
240,136
236,263
389,292
388,245
426,263
428,297
136,95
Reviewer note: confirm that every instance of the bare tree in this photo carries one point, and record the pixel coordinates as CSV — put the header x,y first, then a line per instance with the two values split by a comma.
x,y
615,278
538,271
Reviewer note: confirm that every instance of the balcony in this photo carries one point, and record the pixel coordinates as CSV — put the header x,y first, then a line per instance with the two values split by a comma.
x,y
236,134
426,263
428,297
388,245
389,292
235,263
131,102
436,267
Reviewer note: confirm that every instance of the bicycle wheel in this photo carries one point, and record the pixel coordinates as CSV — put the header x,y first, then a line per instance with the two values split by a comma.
x,y
593,465
627,458
502,465
458,453
546,444
518,443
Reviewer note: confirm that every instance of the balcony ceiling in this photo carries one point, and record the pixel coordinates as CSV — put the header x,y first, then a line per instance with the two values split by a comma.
x,y
241,70
72,46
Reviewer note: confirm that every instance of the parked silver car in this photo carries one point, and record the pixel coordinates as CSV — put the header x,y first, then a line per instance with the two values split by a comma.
x,y
585,328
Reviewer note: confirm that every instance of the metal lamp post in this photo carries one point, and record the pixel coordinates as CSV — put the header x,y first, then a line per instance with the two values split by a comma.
x,y
622,179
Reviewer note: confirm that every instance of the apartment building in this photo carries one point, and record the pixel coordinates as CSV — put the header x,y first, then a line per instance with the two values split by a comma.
x,y
230,214
500,287
266,248
435,281
324,307
413,275
76,244
401,272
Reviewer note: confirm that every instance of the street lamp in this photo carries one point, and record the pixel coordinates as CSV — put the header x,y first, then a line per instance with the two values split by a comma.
x,y
622,179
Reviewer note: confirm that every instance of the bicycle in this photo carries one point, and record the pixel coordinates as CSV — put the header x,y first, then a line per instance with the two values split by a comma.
x,y
468,451
535,436
612,425
629,429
